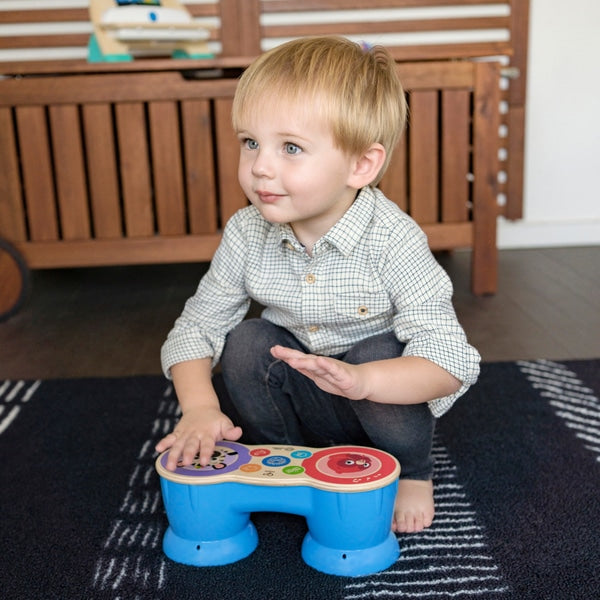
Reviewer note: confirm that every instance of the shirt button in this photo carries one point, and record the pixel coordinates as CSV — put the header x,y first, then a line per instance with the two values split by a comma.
x,y
310,278
313,328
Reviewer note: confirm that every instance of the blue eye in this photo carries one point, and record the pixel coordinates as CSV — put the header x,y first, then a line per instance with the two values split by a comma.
x,y
250,144
292,148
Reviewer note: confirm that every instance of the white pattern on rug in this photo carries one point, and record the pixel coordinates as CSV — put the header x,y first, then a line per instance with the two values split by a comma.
x,y
13,394
129,557
449,559
570,398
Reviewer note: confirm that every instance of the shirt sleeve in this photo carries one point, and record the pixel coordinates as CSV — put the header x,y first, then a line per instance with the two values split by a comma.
x,y
219,304
425,319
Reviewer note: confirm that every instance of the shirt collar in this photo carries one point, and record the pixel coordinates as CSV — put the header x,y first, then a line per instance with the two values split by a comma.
x,y
346,233
287,239
350,229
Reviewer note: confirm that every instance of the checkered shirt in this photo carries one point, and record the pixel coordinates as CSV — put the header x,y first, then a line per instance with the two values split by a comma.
x,y
372,273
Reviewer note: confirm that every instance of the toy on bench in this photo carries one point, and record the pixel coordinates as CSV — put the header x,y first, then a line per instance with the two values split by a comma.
x,y
127,28
346,494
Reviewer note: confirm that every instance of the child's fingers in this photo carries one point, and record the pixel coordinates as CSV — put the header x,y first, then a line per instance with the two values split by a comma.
x,y
284,353
233,433
166,442
182,449
207,448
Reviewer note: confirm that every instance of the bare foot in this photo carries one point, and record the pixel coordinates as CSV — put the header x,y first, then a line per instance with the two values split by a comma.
x,y
413,510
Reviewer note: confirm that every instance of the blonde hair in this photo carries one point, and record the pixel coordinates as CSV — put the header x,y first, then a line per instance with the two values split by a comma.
x,y
355,89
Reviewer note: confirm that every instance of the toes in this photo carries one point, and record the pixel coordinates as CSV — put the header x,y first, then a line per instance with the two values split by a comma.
x,y
412,523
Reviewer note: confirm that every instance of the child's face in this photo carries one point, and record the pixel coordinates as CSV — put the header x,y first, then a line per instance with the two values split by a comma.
x,y
291,170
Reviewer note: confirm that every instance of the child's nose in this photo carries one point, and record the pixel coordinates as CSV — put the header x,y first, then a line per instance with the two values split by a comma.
x,y
262,165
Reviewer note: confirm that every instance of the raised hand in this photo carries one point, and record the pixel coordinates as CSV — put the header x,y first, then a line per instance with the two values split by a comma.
x,y
331,375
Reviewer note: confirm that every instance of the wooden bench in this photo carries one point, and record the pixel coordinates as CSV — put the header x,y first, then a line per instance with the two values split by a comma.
x,y
136,162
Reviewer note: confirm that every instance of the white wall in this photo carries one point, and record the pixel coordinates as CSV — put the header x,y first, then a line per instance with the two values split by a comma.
x,y
562,155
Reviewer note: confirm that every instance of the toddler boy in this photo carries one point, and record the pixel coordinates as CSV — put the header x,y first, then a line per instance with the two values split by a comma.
x,y
358,342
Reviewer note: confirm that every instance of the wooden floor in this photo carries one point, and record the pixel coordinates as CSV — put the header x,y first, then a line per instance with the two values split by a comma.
x,y
112,321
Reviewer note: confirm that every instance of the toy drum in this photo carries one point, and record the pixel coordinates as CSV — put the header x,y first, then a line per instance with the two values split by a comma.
x,y
346,494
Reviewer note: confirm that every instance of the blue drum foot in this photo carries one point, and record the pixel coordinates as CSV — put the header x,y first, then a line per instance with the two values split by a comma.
x,y
350,563
200,553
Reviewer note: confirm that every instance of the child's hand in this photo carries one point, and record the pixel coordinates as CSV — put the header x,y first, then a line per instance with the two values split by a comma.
x,y
196,433
330,374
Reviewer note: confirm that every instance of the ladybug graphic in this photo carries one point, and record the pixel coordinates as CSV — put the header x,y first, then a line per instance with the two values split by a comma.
x,y
348,463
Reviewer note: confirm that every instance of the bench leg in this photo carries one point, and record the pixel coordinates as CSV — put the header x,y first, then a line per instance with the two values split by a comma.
x,y
484,273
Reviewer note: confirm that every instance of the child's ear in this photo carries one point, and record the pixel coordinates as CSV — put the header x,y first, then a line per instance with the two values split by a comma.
x,y
367,166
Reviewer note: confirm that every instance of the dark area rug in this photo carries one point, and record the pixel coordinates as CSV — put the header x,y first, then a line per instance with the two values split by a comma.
x,y
517,498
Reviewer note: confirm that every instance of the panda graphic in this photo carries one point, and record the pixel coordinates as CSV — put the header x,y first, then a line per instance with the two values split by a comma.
x,y
221,458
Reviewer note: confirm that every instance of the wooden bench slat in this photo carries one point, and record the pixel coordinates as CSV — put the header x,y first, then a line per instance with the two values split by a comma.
x,y
44,15
12,215
59,40
69,172
449,236
130,251
134,169
101,152
39,14
200,167
36,166
436,75
382,27
167,167
269,6
455,128
458,51
120,87
424,152
395,180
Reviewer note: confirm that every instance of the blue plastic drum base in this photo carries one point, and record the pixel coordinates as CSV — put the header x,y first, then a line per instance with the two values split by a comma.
x,y
350,563
214,553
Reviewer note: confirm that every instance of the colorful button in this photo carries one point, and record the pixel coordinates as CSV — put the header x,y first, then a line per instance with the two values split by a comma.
x,y
251,468
293,470
260,452
301,454
276,461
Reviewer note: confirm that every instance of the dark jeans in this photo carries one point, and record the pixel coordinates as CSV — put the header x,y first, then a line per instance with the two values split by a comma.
x,y
276,404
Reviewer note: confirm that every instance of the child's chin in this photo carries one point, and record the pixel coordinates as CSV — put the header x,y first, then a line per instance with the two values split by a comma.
x,y
270,213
